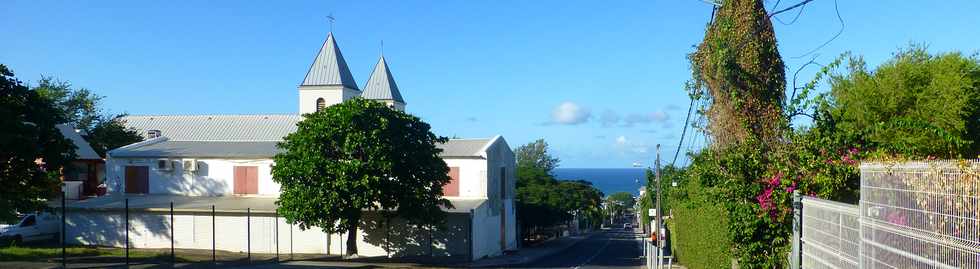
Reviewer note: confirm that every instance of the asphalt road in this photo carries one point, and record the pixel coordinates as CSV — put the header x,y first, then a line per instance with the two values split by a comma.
x,y
608,249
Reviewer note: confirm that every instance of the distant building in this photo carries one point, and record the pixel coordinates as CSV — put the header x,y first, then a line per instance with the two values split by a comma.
x,y
225,160
83,174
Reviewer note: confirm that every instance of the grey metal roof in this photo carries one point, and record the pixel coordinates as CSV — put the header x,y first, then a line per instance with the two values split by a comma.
x,y
200,149
239,136
467,148
216,127
329,67
82,148
224,204
381,85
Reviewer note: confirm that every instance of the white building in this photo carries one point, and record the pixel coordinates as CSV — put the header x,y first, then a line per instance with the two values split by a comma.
x,y
200,161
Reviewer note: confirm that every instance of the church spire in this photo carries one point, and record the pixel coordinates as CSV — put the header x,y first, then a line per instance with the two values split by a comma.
x,y
329,67
381,85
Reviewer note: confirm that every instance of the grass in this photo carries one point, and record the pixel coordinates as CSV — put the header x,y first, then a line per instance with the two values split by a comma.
x,y
47,253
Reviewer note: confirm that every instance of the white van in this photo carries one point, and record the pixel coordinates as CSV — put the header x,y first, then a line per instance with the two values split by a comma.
x,y
33,228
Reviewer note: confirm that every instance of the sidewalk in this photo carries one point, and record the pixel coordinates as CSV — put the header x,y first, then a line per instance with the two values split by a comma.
x,y
531,254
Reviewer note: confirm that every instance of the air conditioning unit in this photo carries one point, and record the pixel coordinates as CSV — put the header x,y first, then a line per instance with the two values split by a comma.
x,y
165,165
190,165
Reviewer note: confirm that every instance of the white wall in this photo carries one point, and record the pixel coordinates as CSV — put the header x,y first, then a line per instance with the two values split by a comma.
x,y
191,231
472,176
332,95
486,232
229,232
214,177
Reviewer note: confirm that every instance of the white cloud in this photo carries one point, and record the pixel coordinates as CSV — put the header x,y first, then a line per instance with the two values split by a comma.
x,y
659,116
570,113
621,140
609,118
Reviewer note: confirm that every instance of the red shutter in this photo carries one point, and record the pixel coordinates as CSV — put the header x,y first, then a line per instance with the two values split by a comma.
x,y
452,188
246,180
239,184
137,179
253,180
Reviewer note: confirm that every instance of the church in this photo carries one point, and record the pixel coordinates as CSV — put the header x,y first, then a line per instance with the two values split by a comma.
x,y
215,171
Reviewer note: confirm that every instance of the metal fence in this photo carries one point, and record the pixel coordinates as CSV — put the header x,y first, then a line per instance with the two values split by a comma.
x,y
920,215
112,231
831,234
911,215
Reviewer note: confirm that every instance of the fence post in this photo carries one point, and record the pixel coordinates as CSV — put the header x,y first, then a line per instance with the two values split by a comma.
x,y
387,237
126,210
173,257
431,229
248,232
276,219
64,253
214,236
796,254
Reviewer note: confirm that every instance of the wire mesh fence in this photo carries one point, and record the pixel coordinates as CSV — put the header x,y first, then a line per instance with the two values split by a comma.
x,y
911,215
920,214
831,234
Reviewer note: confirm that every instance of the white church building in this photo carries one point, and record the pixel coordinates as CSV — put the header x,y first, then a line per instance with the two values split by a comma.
x,y
215,171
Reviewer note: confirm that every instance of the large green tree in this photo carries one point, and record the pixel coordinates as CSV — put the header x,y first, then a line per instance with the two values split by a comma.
x,y
915,105
356,156
544,201
82,109
535,154
32,150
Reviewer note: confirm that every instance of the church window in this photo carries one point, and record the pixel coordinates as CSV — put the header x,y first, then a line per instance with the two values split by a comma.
x,y
320,104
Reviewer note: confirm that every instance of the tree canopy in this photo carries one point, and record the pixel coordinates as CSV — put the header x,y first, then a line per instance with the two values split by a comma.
x,y
545,201
916,104
34,151
360,155
535,154
82,109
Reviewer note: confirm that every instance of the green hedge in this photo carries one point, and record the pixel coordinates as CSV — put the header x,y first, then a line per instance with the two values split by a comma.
x,y
700,236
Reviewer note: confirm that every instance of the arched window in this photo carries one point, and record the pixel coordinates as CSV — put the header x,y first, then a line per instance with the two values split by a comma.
x,y
320,104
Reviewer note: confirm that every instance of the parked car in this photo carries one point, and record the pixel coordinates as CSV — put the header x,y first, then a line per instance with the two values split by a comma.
x,y
32,228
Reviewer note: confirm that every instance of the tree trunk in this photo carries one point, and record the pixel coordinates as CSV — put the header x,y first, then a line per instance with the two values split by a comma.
x,y
352,238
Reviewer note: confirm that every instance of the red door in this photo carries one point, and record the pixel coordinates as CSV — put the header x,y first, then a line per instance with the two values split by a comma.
x,y
452,188
137,179
246,180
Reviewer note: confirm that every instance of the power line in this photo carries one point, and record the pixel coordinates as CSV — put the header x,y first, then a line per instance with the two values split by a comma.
x,y
684,132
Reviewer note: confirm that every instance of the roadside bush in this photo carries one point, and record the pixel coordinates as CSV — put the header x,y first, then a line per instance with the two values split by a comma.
x,y
699,233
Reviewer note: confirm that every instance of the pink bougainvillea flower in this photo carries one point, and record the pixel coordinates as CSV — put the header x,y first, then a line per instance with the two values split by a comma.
x,y
775,179
791,187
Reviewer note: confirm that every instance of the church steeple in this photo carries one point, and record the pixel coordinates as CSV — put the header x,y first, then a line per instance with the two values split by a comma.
x,y
381,86
329,81
329,67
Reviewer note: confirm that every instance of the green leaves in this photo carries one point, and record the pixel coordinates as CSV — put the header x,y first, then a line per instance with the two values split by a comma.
x,y
544,201
34,151
360,155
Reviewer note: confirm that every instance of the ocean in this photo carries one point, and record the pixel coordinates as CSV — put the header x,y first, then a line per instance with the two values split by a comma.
x,y
607,180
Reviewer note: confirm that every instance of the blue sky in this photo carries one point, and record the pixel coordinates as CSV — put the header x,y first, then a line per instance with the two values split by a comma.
x,y
602,83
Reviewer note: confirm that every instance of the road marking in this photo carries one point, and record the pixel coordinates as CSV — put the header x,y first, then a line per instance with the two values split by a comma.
x,y
596,253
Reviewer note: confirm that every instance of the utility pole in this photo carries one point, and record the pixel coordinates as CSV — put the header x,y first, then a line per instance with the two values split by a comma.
x,y
659,219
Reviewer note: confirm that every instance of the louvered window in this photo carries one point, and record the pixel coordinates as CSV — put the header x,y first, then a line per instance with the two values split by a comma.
x,y
320,104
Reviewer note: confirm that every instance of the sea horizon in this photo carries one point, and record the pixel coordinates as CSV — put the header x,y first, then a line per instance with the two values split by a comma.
x,y
607,180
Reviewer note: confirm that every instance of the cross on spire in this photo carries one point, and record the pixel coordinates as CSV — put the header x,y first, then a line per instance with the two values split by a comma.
x,y
331,19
